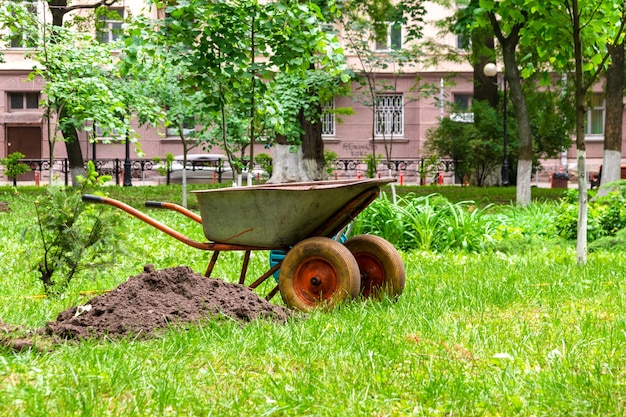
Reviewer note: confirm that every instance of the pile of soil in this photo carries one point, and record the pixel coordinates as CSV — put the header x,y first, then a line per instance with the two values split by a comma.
x,y
156,299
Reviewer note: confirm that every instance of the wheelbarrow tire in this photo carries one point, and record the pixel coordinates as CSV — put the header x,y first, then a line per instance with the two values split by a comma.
x,y
380,265
318,272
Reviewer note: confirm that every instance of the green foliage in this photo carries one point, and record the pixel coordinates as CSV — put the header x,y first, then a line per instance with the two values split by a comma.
x,y
330,158
12,165
73,235
237,55
265,162
92,179
166,167
372,162
428,223
427,167
606,215
476,148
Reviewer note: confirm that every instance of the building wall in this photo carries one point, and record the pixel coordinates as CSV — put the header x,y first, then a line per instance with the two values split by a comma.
x,y
353,135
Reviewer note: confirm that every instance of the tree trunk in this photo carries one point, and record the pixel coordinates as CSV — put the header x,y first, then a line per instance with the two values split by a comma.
x,y
512,75
288,165
524,163
314,164
303,163
74,152
484,88
611,161
581,152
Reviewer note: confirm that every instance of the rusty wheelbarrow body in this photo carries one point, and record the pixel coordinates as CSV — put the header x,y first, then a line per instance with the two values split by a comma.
x,y
300,219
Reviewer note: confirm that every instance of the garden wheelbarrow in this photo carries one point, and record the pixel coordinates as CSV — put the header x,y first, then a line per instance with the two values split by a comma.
x,y
302,220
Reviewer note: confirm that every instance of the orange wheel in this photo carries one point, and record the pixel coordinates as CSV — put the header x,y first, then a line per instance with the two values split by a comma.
x,y
318,272
380,265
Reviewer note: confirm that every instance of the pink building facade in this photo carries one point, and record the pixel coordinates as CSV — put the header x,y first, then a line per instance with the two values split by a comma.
x,y
23,127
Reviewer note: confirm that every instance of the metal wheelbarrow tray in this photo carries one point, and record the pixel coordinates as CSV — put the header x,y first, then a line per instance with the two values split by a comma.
x,y
300,219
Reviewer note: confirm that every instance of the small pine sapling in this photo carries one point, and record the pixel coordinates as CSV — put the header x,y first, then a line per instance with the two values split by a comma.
x,y
74,236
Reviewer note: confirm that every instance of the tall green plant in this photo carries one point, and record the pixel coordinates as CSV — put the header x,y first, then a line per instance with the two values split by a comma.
x,y
430,223
13,167
74,236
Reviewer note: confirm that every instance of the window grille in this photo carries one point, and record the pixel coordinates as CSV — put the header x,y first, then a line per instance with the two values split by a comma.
x,y
328,118
389,115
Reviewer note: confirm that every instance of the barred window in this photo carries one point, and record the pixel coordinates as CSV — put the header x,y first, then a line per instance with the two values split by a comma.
x,y
389,115
328,118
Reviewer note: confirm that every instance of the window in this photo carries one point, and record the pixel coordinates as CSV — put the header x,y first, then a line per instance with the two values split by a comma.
x,y
189,126
21,101
24,38
109,27
594,125
328,118
100,132
462,101
389,115
389,36
463,43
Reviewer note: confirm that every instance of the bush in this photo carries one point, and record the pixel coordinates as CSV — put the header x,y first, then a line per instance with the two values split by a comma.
x,y
12,165
265,162
428,223
606,215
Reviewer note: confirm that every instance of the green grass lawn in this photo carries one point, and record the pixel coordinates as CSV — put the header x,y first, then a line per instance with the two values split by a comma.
x,y
492,334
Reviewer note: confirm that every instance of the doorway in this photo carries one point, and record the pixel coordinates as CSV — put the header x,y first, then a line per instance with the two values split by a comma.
x,y
26,140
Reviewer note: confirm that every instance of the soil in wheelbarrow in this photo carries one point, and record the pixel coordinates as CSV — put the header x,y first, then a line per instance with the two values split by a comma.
x,y
147,303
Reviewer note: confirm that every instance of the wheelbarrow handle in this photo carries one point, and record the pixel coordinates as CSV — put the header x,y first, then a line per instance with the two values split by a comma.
x,y
90,198
175,207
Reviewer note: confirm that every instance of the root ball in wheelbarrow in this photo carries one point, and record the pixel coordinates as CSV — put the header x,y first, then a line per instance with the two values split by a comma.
x,y
156,299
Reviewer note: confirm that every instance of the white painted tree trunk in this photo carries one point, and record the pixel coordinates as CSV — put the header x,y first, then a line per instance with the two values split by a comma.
x,y
524,179
581,238
611,170
289,165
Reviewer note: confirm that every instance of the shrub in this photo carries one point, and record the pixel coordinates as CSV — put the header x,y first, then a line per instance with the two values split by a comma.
x,y
428,223
12,165
606,215
265,162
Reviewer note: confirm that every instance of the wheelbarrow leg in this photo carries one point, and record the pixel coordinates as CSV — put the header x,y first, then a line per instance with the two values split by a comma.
x,y
244,268
272,293
212,264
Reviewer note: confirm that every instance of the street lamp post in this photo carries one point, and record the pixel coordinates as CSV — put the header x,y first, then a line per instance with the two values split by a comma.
x,y
491,71
127,165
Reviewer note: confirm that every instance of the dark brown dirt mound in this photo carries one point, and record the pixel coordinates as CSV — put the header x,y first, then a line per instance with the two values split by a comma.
x,y
156,299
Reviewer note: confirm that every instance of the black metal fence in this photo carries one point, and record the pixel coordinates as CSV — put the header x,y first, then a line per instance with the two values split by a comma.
x,y
147,168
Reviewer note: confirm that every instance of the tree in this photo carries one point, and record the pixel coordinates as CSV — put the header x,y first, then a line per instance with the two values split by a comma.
x,y
397,26
474,147
79,72
508,23
614,88
234,48
594,28
75,68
